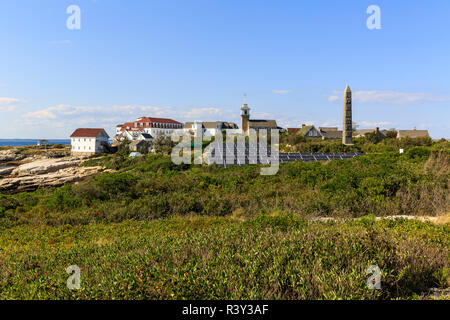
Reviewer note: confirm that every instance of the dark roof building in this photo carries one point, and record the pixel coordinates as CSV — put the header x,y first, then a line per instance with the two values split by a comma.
x,y
262,124
247,123
413,133
306,131
331,135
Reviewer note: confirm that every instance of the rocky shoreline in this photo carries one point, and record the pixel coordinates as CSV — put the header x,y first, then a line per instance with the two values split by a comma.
x,y
20,173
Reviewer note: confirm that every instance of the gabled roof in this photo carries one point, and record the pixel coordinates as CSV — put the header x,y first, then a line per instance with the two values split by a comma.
x,y
412,133
362,132
332,134
88,133
123,127
328,128
303,130
210,124
262,124
189,125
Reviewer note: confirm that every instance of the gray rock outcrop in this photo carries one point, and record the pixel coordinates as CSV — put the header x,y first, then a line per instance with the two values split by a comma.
x,y
10,155
44,173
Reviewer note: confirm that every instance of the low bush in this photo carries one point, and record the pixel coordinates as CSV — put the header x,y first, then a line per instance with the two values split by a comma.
x,y
269,257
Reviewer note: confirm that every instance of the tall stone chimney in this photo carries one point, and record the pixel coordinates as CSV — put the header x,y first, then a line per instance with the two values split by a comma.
x,y
347,132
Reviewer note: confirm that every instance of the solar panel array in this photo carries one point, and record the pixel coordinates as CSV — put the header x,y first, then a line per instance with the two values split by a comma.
x,y
260,153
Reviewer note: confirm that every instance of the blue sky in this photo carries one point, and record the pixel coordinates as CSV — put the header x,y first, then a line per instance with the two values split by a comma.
x,y
194,60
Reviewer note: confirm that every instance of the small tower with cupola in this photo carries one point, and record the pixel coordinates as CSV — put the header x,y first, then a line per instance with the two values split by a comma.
x,y
245,115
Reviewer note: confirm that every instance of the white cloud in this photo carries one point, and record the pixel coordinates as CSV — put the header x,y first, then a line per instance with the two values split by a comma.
x,y
109,116
41,114
8,101
94,114
333,98
291,122
199,113
7,104
376,124
389,97
330,123
8,108
281,91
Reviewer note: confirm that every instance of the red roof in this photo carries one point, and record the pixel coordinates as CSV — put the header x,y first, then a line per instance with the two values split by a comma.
x,y
147,122
132,129
159,120
127,125
88,133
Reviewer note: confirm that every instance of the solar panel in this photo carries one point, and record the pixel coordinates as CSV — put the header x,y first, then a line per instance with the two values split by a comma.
x,y
232,153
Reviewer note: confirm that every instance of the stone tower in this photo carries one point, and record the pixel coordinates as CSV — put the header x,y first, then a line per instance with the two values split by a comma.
x,y
245,117
347,132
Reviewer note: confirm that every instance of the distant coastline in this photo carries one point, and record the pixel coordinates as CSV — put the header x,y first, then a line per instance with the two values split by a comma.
x,y
30,142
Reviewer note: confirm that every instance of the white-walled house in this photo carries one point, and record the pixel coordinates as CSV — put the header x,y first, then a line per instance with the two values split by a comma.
x,y
152,126
210,128
88,141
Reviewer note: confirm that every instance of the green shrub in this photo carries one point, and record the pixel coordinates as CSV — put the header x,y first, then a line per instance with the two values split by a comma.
x,y
269,257
62,198
380,184
114,185
418,153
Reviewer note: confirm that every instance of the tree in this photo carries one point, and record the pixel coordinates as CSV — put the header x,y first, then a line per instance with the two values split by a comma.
x,y
391,134
162,144
373,137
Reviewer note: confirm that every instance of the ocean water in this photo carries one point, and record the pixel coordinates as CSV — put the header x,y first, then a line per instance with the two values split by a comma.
x,y
29,142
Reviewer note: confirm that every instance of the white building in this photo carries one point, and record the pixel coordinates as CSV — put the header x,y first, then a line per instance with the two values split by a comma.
x,y
152,126
210,128
88,141
132,135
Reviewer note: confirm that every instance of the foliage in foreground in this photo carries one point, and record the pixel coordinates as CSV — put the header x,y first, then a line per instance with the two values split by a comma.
x,y
278,257
151,187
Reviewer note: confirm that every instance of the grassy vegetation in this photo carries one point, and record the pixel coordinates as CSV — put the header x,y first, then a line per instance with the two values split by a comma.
x,y
278,257
150,187
154,230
